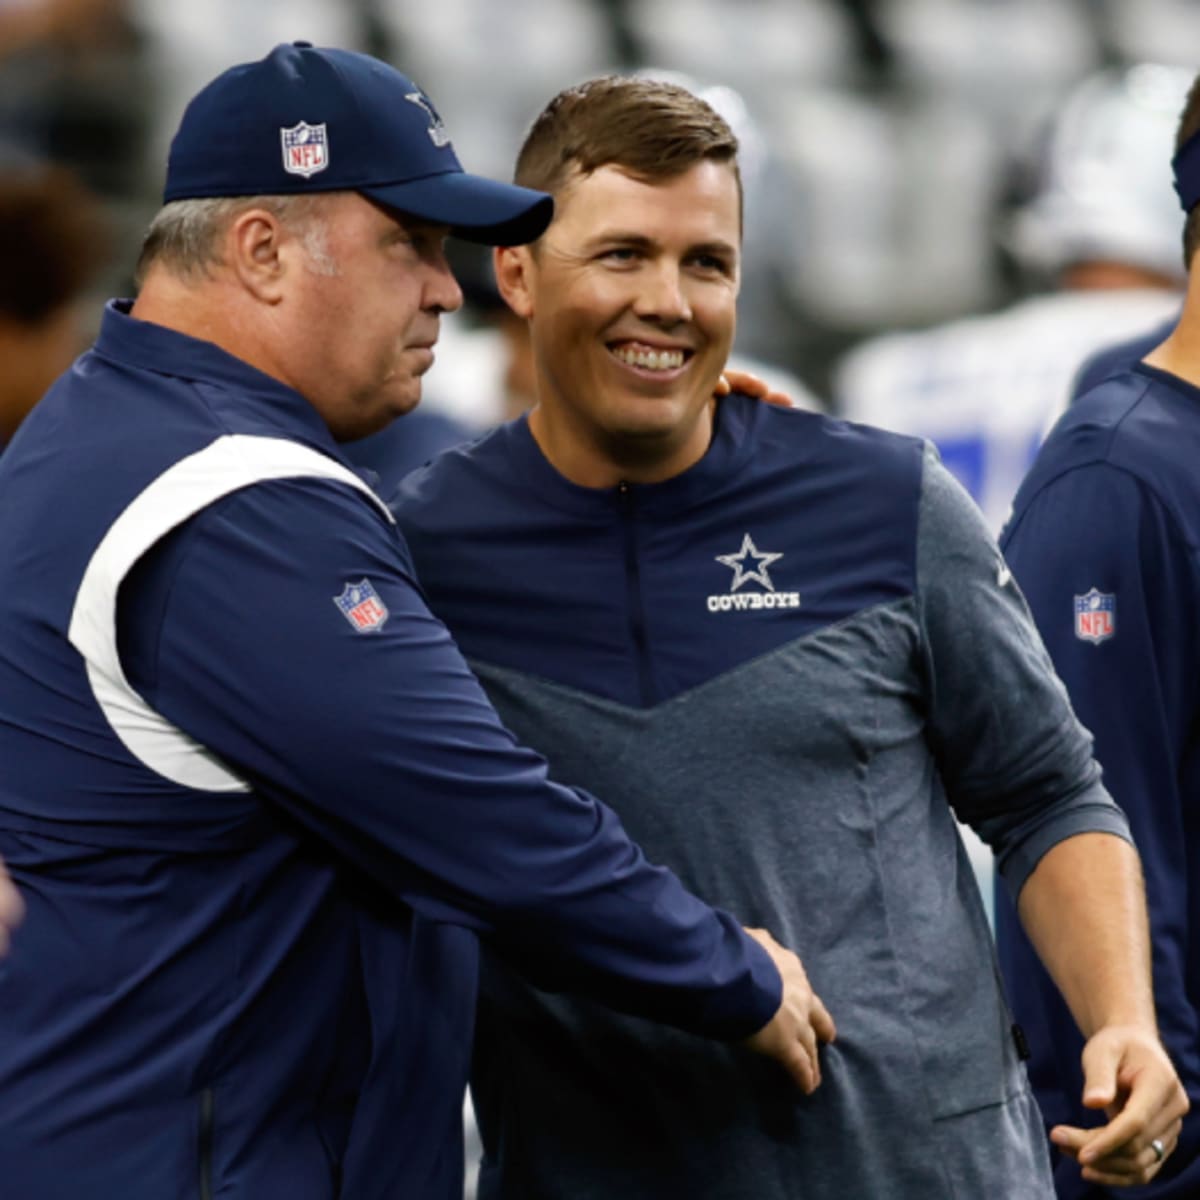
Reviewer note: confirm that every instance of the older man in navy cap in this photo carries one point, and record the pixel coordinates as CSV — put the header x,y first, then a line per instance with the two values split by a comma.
x,y
258,806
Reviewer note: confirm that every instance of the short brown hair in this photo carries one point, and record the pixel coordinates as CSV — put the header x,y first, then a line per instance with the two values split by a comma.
x,y
1189,126
648,127
53,241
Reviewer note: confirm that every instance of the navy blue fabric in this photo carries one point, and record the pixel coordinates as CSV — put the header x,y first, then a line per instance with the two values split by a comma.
x,y
403,446
369,129
1114,359
1112,504
298,960
641,580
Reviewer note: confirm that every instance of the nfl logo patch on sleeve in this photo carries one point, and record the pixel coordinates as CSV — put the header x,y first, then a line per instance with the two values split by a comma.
x,y
1095,616
360,604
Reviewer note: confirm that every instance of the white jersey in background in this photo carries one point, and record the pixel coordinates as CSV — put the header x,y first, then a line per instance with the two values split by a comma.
x,y
986,389
1104,226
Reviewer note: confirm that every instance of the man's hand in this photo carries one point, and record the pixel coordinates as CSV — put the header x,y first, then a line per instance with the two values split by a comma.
x,y
1127,1073
12,909
752,386
800,1022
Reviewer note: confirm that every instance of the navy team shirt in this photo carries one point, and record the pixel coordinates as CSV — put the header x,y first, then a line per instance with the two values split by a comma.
x,y
1105,542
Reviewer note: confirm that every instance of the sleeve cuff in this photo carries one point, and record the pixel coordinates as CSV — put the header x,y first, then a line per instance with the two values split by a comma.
x,y
1094,814
739,1012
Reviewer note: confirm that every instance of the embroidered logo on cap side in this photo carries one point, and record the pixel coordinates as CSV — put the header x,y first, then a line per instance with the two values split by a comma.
x,y
1095,616
360,604
750,565
437,131
305,149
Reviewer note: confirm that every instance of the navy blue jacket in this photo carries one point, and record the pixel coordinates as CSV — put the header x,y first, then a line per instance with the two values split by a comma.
x,y
260,810
1105,542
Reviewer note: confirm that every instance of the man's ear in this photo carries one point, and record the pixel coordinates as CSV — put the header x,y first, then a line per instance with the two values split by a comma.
x,y
260,253
514,268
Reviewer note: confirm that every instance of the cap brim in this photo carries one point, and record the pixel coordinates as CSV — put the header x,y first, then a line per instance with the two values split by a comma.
x,y
475,208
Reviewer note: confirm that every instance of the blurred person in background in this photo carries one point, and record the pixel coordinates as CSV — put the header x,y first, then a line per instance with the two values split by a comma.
x,y
74,89
27,24
1105,542
711,613
1103,230
53,242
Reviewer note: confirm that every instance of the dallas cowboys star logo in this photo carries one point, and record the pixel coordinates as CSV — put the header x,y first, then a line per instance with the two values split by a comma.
x,y
758,573
437,131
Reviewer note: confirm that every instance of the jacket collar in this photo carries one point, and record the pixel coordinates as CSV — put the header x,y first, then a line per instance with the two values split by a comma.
x,y
126,339
734,424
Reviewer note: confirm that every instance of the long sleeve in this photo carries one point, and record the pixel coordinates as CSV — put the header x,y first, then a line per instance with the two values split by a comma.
x,y
378,739
1017,764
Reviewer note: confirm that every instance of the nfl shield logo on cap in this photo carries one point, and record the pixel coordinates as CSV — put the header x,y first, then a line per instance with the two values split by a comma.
x,y
305,149
360,604
1095,616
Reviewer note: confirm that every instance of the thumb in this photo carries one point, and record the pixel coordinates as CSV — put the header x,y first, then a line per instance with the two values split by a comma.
x,y
1101,1061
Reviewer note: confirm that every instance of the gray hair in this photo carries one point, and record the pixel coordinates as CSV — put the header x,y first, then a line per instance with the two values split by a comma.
x,y
185,234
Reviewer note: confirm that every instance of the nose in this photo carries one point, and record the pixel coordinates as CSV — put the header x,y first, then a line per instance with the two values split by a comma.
x,y
662,295
442,293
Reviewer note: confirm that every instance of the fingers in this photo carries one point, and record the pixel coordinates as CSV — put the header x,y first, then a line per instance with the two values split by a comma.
x,y
800,1023
752,386
1140,1154
782,1039
821,1021
1101,1061
1146,1095
1127,1072
807,1040
1134,1161
12,909
801,1067
806,1023
1126,1129
1131,1165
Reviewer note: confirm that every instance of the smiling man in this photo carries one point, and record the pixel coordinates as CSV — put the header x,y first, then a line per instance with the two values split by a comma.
x,y
631,329
788,649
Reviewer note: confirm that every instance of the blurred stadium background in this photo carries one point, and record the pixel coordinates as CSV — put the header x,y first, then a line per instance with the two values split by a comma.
x,y
886,141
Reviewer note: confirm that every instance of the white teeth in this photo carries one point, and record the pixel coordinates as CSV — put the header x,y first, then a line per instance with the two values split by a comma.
x,y
651,360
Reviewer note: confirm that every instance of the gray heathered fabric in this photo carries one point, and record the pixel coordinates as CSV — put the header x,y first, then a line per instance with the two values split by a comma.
x,y
800,791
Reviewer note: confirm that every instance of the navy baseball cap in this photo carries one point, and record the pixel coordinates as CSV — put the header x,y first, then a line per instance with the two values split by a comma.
x,y
305,119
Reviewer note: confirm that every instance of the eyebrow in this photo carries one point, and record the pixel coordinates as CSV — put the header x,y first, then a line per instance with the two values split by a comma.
x,y
639,241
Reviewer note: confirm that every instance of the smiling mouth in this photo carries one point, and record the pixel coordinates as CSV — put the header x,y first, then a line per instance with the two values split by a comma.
x,y
649,358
